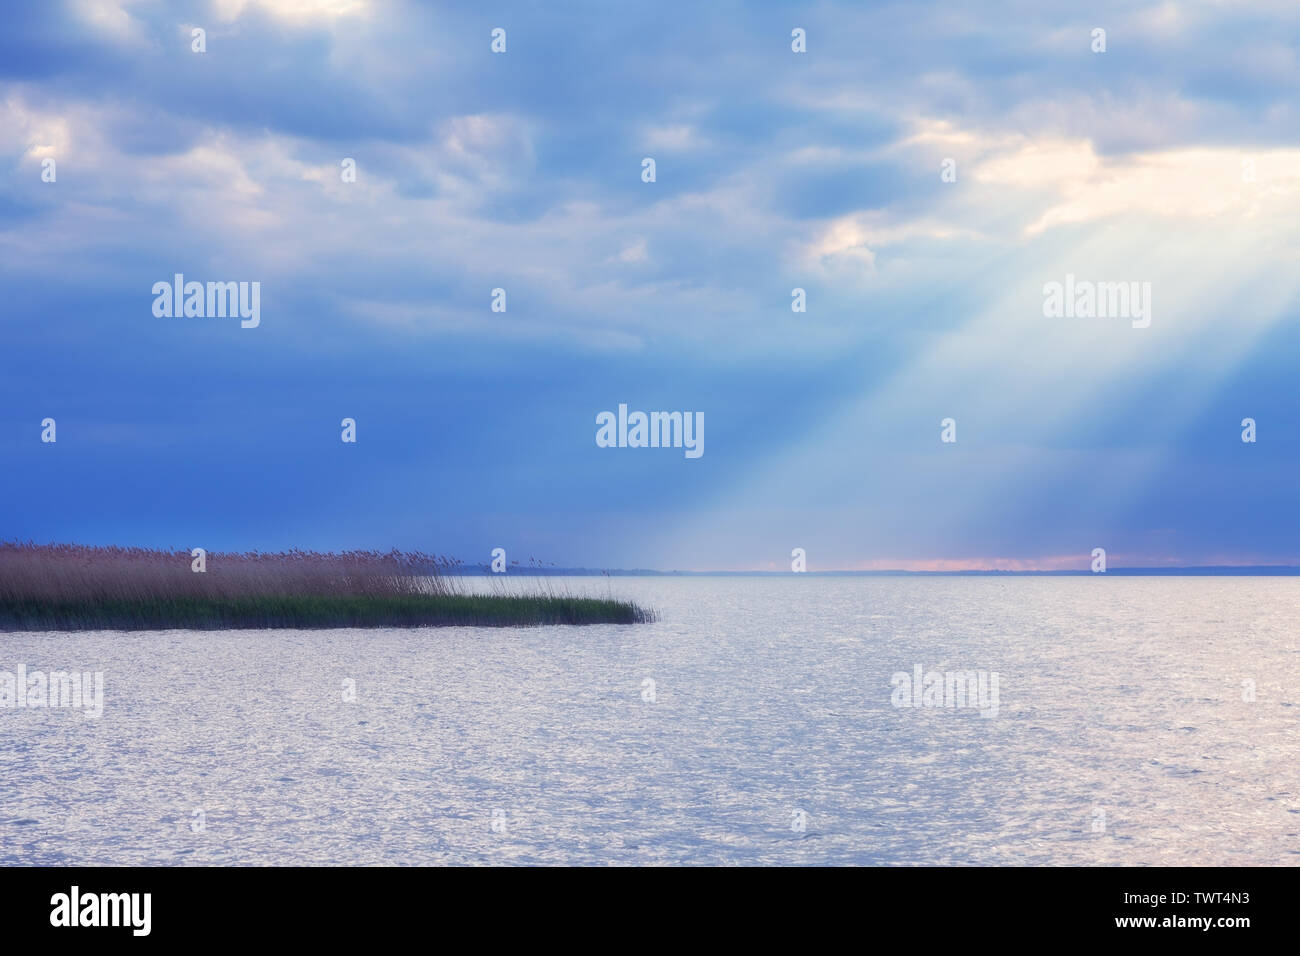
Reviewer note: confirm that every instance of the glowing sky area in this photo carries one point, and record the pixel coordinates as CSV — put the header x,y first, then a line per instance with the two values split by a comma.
x,y
1172,158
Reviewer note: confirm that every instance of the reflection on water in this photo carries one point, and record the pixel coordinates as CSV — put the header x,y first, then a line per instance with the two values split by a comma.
x,y
752,724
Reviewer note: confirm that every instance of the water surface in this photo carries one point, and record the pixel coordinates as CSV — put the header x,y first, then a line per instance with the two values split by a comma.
x,y
1122,735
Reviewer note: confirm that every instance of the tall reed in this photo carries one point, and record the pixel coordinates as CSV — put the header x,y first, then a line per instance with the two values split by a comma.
x,y
66,586
70,571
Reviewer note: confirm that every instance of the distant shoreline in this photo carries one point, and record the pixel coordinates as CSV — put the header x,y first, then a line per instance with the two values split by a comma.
x,y
1198,571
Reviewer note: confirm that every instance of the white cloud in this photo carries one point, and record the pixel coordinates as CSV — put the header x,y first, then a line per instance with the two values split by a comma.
x,y
671,138
293,10
1183,184
110,18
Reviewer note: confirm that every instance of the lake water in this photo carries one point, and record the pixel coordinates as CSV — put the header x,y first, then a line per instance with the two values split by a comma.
x,y
1125,733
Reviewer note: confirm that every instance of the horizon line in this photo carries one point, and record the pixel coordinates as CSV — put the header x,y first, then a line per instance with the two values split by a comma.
x,y
1205,570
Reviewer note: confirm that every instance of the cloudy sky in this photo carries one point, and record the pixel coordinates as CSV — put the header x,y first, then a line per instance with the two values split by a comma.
x,y
1172,158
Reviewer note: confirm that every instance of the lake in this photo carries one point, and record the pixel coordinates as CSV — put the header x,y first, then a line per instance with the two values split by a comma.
x,y
1139,720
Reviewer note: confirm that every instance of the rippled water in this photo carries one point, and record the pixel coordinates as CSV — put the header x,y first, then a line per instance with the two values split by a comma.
x,y
1118,696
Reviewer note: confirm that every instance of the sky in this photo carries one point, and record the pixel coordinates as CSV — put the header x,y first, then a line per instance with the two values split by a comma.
x,y
922,171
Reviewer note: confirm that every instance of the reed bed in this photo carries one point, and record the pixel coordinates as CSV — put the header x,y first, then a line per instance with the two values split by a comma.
x,y
77,587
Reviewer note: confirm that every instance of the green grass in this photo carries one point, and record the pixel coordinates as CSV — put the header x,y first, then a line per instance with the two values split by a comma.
x,y
313,611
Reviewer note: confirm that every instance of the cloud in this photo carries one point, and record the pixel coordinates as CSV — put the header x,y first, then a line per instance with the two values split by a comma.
x,y
776,170
112,19
292,10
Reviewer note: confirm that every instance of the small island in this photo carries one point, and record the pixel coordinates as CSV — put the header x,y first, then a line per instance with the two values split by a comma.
x,y
65,587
